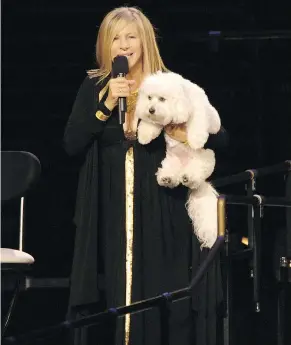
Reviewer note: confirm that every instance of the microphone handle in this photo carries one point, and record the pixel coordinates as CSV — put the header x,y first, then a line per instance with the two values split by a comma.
x,y
121,105
121,109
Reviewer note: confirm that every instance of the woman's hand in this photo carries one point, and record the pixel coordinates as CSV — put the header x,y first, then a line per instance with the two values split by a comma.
x,y
118,87
177,132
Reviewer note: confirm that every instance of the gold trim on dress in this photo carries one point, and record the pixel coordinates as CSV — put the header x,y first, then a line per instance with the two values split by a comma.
x,y
130,126
129,204
101,116
103,91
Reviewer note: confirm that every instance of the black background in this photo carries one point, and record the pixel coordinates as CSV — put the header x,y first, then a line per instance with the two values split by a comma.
x,y
46,48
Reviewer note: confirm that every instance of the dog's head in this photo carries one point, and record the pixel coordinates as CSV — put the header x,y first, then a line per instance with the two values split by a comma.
x,y
162,99
166,98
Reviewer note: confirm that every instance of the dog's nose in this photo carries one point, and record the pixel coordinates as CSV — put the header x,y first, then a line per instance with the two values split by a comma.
x,y
152,110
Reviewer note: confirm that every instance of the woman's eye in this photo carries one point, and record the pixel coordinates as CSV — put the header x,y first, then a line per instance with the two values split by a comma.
x,y
149,97
162,99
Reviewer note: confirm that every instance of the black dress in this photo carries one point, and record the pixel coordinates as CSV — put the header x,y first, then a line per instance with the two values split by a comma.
x,y
133,232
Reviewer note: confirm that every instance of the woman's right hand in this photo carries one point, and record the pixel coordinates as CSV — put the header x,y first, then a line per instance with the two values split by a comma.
x,y
118,87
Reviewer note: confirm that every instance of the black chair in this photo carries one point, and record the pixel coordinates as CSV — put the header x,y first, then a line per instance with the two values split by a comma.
x,y
20,172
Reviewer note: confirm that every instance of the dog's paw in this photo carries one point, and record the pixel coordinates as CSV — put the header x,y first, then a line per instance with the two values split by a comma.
x,y
146,132
191,177
144,138
189,182
166,180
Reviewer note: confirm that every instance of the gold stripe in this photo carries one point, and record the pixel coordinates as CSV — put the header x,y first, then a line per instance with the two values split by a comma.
x,y
101,116
129,190
221,205
103,91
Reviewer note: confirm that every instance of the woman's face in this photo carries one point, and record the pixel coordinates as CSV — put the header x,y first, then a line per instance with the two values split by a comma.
x,y
127,42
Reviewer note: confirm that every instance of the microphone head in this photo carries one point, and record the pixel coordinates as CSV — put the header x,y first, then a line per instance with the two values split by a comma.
x,y
120,65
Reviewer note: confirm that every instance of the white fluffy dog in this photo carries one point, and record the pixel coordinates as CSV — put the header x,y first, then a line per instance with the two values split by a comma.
x,y
168,98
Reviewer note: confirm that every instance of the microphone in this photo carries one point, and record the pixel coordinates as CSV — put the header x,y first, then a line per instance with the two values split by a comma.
x,y
120,69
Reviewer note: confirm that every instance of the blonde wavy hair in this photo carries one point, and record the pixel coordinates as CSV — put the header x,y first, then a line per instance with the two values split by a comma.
x,y
111,25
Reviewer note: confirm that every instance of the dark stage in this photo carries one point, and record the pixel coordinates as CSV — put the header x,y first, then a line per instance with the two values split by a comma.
x,y
238,51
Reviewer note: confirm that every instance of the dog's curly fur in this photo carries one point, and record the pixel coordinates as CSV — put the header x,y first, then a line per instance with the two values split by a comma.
x,y
168,98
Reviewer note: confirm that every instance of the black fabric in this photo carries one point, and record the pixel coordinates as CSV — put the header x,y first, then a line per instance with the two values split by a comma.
x,y
166,254
104,109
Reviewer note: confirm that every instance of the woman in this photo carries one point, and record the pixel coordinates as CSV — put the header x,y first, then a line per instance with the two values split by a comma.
x,y
129,229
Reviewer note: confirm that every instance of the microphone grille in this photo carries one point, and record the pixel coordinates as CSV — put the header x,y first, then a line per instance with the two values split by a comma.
x,y
120,65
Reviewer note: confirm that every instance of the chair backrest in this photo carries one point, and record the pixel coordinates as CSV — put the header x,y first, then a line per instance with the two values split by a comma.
x,y
20,171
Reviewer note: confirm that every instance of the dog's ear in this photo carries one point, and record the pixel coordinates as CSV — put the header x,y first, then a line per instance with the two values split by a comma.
x,y
197,125
181,109
181,105
139,108
214,119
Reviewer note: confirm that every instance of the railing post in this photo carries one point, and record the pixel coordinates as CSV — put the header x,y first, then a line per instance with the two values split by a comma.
x,y
222,231
112,324
258,214
165,313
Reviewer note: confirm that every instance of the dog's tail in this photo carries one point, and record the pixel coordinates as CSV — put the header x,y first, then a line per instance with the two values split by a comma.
x,y
202,210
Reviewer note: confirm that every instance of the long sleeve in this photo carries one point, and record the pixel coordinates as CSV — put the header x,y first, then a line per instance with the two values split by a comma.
x,y
83,126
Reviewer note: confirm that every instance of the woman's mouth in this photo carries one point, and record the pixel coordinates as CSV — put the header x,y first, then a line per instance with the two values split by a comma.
x,y
127,55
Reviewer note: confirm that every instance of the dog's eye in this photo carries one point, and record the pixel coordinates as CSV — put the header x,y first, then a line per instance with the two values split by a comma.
x,y
149,97
162,99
